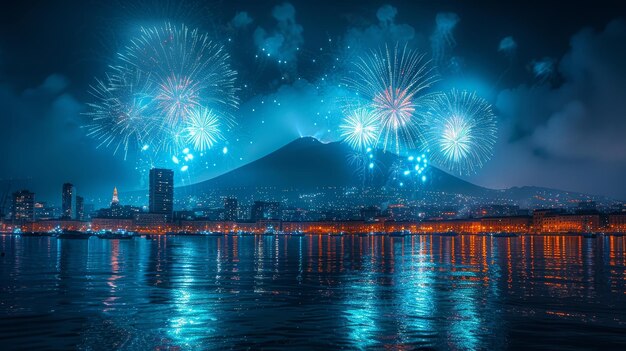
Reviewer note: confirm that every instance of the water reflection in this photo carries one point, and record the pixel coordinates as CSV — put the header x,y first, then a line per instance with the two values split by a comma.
x,y
464,292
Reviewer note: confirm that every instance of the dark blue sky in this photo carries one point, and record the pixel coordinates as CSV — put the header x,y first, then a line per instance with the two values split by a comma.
x,y
560,96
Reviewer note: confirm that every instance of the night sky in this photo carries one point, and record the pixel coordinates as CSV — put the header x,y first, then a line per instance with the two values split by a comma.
x,y
558,88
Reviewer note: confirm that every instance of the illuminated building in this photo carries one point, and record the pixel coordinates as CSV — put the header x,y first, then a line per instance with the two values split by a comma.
x,y
161,196
45,212
115,210
24,206
565,222
494,211
112,224
115,199
509,224
617,222
66,201
151,222
370,213
80,208
265,210
231,209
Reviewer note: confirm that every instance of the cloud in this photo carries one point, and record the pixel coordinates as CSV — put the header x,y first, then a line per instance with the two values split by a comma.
x,y
241,20
386,13
507,45
285,39
443,36
579,121
42,140
386,31
582,116
543,68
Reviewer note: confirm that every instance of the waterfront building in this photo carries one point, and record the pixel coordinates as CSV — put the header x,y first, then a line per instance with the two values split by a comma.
x,y
265,210
112,224
617,222
151,222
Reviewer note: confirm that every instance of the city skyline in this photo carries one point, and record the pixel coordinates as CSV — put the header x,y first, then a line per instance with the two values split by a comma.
x,y
565,142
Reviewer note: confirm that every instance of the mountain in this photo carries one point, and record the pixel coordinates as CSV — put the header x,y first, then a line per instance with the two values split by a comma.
x,y
307,163
308,166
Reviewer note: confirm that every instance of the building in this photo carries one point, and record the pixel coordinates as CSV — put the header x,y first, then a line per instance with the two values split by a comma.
x,y
617,222
112,224
80,208
509,224
561,222
493,210
116,210
540,214
66,201
115,199
370,213
44,212
265,210
23,206
231,209
151,222
89,210
161,192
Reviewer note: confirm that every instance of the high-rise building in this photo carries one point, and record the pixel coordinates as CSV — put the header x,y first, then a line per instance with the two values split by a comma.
x,y
23,206
231,209
80,208
66,201
161,199
265,210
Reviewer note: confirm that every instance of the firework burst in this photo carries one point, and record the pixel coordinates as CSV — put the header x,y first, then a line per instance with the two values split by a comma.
x,y
170,89
121,112
461,131
202,129
188,69
393,83
360,129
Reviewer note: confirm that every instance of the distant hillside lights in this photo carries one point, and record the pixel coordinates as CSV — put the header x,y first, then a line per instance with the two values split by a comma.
x,y
427,218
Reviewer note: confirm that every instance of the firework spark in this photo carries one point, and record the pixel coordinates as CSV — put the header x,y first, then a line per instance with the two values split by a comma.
x,y
202,129
121,113
394,84
360,129
462,131
176,97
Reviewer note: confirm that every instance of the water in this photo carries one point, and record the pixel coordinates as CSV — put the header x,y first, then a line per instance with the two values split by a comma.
x,y
179,293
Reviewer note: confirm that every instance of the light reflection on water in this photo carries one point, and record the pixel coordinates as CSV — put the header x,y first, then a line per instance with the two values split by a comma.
x,y
465,292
